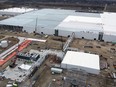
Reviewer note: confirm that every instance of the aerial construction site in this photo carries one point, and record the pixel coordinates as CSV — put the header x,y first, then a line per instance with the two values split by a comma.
x,y
54,47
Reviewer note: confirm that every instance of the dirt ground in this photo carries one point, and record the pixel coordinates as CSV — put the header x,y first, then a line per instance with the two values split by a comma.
x,y
1,36
3,83
3,17
101,48
45,77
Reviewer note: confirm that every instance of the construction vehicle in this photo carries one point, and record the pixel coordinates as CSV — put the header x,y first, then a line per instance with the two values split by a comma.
x,y
13,64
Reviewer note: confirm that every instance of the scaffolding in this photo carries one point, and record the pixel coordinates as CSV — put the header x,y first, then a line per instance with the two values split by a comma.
x,y
70,39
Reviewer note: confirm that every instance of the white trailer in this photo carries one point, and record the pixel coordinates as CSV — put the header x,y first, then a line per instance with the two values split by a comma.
x,y
56,70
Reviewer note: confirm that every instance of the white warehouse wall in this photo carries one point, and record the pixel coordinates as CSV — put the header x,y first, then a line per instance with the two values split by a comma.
x,y
65,33
80,68
79,34
110,38
86,35
46,31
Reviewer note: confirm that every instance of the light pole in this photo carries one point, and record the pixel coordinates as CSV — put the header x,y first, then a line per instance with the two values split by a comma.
x,y
36,25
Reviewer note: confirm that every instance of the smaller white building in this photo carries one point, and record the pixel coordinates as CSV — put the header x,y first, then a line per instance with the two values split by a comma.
x,y
81,61
25,67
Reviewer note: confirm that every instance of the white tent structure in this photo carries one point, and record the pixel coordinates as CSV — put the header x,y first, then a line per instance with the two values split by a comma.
x,y
81,61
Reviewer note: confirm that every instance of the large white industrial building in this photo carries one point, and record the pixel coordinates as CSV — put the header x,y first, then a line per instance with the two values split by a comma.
x,y
81,61
14,11
59,22
82,26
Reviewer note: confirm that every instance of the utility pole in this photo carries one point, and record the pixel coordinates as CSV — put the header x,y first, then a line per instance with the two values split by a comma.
x,y
36,25
61,43
105,7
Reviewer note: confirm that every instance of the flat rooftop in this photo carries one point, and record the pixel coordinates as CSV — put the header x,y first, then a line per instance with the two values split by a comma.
x,y
109,23
64,19
81,23
82,59
46,18
83,19
17,10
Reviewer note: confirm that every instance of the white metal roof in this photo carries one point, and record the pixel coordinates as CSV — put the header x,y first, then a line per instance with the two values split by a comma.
x,y
17,10
83,19
46,18
81,23
82,59
65,20
109,23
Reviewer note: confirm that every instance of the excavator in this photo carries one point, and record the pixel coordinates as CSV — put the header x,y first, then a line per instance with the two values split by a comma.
x,y
13,63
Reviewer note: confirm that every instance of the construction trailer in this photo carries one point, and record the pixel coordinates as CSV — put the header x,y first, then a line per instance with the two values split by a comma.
x,y
28,56
56,70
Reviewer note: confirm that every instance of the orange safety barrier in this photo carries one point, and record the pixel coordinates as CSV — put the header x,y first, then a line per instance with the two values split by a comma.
x,y
20,48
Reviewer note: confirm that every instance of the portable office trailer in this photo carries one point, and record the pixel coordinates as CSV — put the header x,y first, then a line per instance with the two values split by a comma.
x,y
24,56
35,56
56,70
